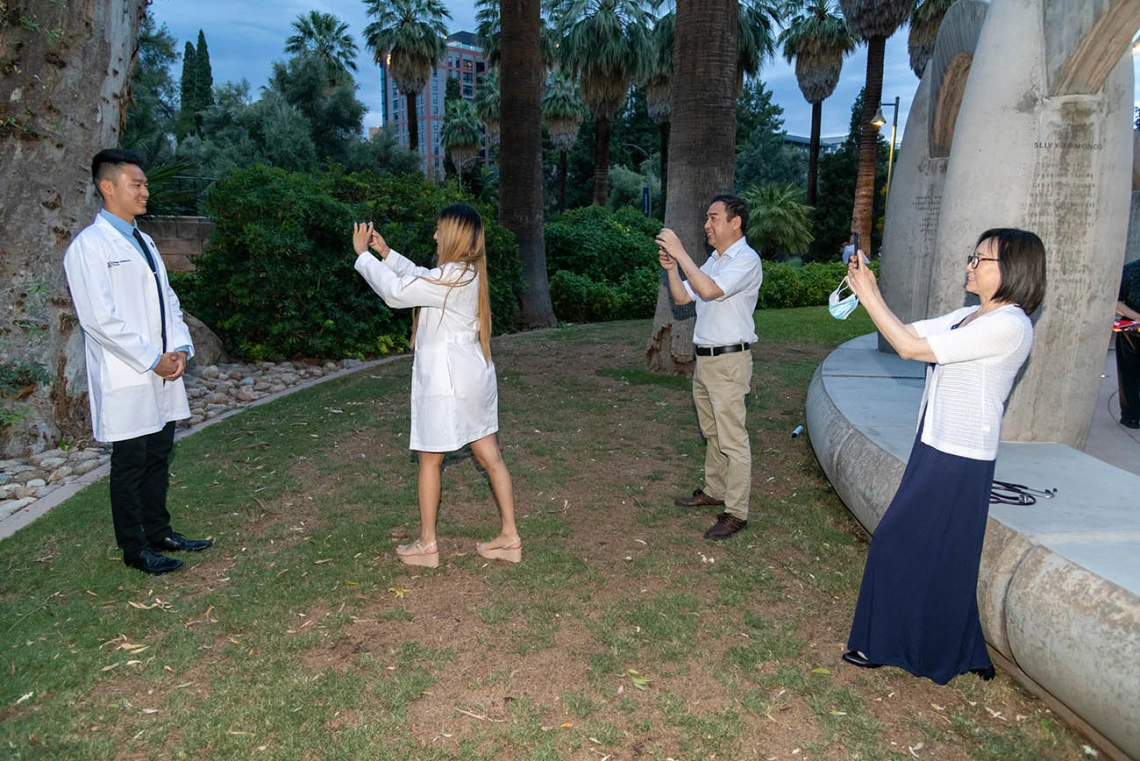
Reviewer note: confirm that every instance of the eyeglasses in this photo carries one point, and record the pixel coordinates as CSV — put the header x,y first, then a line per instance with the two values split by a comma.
x,y
973,259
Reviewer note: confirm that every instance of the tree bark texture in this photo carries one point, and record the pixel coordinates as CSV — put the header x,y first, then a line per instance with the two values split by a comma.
x,y
602,129
413,124
561,181
813,151
64,74
702,155
869,142
520,166
663,127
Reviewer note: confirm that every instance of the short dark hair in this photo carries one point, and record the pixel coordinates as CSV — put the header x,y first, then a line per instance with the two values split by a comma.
x,y
110,160
735,207
1021,262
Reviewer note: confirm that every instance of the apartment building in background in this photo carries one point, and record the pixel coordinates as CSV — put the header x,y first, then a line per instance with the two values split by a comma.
x,y
463,61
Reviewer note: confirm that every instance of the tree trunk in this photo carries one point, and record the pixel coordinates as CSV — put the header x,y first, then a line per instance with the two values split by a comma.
x,y
520,168
664,130
561,181
702,154
869,142
57,94
813,151
413,124
602,128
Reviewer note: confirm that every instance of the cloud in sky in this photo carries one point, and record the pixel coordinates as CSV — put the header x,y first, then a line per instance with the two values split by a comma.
x,y
245,37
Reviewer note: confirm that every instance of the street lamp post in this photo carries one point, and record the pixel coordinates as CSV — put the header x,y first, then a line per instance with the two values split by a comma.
x,y
879,121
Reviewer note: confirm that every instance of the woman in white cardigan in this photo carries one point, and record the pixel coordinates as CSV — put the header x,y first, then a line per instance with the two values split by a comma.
x,y
918,606
454,394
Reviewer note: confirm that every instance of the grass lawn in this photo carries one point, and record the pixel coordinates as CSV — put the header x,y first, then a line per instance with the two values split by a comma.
x,y
622,635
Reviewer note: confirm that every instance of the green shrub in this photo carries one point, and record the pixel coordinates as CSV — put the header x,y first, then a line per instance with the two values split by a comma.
x,y
603,245
277,278
577,298
788,285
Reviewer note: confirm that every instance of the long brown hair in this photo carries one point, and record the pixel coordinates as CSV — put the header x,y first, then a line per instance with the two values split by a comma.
x,y
459,232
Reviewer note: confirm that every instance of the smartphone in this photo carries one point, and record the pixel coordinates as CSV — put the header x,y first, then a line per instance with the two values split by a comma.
x,y
858,248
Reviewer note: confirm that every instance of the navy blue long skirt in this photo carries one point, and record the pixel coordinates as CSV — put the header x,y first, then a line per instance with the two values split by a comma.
x,y
918,604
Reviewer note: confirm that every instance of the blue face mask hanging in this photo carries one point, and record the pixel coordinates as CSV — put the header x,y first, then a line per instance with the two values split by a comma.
x,y
841,307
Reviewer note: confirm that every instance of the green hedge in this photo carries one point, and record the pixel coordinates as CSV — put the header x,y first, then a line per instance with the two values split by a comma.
x,y
787,285
602,264
277,278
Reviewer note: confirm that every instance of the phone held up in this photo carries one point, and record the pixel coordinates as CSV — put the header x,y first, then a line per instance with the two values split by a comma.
x,y
858,248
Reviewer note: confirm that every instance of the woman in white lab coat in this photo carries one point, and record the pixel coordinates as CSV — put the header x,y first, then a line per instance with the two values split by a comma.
x,y
454,393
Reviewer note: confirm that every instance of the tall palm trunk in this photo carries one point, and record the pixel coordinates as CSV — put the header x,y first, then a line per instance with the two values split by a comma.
x,y
702,154
64,91
813,151
562,181
413,124
520,168
663,128
602,130
869,141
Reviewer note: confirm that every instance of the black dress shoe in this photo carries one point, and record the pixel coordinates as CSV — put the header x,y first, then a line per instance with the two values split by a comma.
x,y
1130,423
856,659
178,543
154,563
699,499
985,674
726,525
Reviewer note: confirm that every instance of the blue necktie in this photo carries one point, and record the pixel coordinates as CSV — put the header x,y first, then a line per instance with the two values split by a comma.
x,y
154,269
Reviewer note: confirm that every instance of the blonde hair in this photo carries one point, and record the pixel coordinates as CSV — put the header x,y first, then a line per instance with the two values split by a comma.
x,y
460,239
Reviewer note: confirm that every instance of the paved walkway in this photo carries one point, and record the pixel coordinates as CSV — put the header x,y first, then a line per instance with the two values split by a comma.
x,y
1108,440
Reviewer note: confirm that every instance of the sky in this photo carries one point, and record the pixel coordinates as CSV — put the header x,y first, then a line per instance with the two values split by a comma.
x,y
245,37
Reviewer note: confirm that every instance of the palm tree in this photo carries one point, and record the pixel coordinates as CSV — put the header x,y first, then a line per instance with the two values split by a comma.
x,y
326,37
817,38
778,219
487,105
658,86
757,37
562,112
924,25
487,31
411,35
702,153
461,135
873,21
605,44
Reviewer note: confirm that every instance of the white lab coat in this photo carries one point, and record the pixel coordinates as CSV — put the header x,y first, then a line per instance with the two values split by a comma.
x,y
114,293
455,398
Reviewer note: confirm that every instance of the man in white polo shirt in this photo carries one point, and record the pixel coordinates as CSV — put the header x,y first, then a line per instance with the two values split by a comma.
x,y
724,290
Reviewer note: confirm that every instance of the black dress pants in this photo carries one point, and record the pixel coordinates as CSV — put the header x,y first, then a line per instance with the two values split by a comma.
x,y
1128,374
140,473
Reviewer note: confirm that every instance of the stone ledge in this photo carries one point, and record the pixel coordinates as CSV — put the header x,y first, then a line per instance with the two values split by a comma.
x,y
1059,586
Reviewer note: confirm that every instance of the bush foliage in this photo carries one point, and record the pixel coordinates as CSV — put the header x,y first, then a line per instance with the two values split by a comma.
x,y
602,264
277,279
787,285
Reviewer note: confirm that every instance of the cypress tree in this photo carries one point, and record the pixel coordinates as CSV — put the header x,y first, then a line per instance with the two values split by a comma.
x,y
187,121
204,81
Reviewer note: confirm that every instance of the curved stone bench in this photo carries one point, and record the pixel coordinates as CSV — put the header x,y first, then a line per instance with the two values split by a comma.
x,y
1059,587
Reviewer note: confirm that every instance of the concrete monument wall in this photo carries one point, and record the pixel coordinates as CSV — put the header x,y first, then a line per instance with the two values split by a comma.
x,y
915,201
1034,118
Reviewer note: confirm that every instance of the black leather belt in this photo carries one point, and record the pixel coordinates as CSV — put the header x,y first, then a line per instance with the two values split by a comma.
x,y
716,351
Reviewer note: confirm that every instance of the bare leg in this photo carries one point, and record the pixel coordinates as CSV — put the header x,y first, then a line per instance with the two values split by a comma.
x,y
431,463
486,451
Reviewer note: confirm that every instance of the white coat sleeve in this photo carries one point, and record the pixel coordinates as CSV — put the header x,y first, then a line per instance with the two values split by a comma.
x,y
402,265
402,291
90,286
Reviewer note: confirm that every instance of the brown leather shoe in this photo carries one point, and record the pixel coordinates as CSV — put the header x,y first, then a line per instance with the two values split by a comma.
x,y
726,525
699,499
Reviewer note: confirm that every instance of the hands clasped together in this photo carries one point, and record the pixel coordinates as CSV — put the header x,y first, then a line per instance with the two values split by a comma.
x,y
364,237
669,249
171,365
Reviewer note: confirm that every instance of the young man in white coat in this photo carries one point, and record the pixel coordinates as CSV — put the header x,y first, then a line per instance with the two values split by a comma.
x,y
137,347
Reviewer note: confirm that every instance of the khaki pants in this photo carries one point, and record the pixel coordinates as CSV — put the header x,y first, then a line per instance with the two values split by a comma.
x,y
719,386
